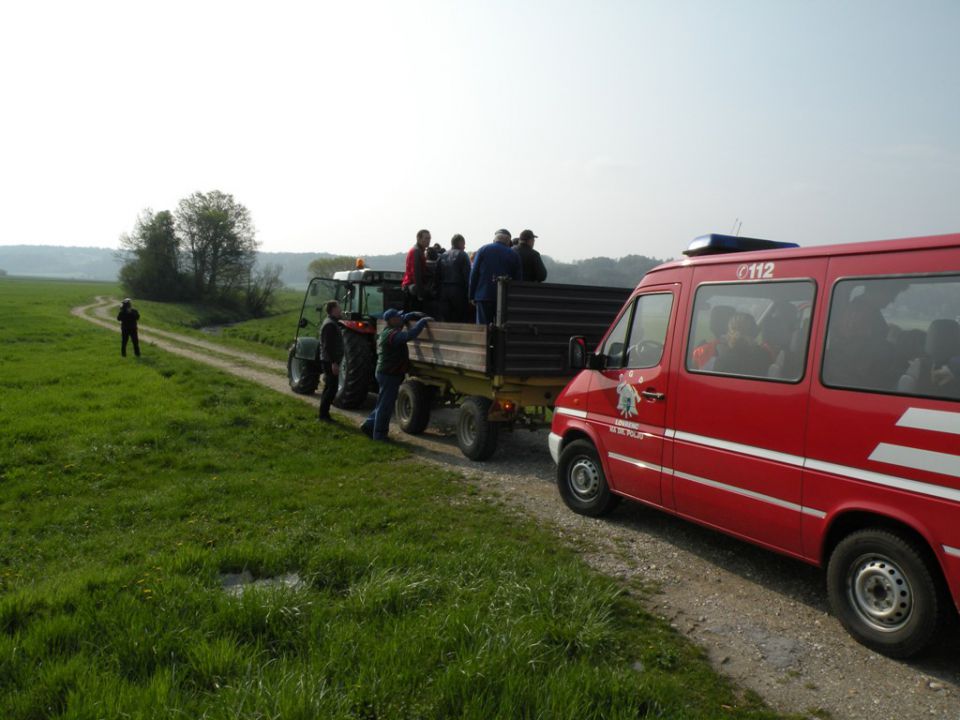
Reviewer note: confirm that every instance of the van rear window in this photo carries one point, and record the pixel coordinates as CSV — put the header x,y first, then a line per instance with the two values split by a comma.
x,y
895,335
753,330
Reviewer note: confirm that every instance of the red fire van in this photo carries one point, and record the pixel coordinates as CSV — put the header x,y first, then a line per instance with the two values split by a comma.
x,y
804,399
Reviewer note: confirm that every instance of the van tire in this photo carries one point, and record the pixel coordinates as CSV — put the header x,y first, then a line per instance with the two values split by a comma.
x,y
582,482
476,436
413,407
886,592
303,375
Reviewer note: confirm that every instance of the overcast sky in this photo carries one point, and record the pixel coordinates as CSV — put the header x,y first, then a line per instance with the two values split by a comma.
x,y
608,128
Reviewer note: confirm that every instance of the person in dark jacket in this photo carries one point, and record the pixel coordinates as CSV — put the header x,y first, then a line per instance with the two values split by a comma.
x,y
128,317
454,282
331,355
419,275
493,260
393,361
533,268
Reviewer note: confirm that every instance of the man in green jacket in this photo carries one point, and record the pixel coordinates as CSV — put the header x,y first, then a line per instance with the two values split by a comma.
x,y
393,361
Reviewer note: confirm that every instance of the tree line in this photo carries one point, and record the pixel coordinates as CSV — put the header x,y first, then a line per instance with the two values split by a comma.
x,y
205,250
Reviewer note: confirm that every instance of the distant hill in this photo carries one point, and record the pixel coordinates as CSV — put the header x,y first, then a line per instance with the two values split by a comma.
x,y
102,264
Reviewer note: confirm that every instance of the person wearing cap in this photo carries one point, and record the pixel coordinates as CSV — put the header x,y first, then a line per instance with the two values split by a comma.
x,y
493,260
393,362
533,268
454,268
128,317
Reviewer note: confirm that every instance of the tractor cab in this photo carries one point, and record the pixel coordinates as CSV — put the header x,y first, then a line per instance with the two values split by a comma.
x,y
364,295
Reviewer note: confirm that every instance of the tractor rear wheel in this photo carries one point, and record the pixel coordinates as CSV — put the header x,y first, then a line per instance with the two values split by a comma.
x,y
356,370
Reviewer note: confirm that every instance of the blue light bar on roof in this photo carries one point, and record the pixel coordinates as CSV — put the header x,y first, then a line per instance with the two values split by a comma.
x,y
715,244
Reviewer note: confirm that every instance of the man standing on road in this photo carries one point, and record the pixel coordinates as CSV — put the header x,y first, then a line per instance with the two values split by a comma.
x,y
454,281
493,260
128,317
393,361
533,268
331,355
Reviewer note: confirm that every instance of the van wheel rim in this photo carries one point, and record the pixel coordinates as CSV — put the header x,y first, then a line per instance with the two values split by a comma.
x,y
880,593
584,479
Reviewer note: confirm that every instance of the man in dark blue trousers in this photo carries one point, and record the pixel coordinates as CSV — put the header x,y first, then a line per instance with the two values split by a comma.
x,y
393,361
493,260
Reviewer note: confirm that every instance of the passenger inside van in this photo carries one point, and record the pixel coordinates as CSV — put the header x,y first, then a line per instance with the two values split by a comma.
x,y
937,370
705,354
741,353
859,354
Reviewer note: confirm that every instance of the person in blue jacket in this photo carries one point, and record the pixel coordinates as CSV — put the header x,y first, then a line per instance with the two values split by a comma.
x,y
493,260
393,362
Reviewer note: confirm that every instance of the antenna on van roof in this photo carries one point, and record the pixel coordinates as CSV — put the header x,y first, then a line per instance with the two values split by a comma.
x,y
737,224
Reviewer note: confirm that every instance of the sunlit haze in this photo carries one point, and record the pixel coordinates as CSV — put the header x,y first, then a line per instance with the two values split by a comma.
x,y
609,128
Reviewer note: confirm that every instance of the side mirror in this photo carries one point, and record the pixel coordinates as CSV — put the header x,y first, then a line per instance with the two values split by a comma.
x,y
577,352
303,322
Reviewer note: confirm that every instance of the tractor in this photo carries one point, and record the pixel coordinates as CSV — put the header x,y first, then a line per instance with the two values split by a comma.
x,y
363,295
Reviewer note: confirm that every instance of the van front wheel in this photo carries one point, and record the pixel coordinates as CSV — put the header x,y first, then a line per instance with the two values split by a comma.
x,y
884,591
581,481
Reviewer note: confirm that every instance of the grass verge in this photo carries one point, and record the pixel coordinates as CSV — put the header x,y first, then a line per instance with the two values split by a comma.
x,y
129,488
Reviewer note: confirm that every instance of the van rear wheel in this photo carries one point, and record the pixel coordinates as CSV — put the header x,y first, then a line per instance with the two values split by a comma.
x,y
884,590
581,481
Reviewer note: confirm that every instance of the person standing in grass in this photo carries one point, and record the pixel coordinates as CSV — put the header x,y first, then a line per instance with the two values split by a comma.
x,y
331,355
128,317
393,361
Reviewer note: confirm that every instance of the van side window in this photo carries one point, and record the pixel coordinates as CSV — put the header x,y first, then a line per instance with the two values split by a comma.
x,y
648,331
616,342
895,335
755,330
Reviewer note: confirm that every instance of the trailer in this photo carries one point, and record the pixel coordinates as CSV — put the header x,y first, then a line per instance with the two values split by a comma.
x,y
508,373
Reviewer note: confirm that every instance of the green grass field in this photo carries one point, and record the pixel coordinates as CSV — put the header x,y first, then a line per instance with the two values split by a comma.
x,y
129,487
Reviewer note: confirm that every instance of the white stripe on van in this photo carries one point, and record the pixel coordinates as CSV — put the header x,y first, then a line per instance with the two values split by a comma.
x,y
893,481
634,461
582,414
935,420
951,550
763,453
911,457
750,494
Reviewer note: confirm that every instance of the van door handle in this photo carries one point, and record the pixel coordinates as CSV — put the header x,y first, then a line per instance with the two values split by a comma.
x,y
652,395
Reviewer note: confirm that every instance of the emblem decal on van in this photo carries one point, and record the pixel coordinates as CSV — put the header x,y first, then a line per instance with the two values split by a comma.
x,y
628,397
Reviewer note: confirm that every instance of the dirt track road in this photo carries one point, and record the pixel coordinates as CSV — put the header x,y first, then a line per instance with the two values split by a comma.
x,y
761,618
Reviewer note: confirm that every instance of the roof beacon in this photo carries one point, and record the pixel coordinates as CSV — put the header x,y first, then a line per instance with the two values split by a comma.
x,y
714,244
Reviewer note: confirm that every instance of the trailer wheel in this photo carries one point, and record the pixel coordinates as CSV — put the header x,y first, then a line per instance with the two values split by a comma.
x,y
303,375
356,370
413,407
476,436
885,591
581,481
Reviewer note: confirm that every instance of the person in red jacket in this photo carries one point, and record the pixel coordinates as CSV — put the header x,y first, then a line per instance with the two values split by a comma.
x,y
418,277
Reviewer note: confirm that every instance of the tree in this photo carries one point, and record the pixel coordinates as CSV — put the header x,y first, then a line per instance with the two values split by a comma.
x,y
261,287
326,267
152,253
219,243
3,272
